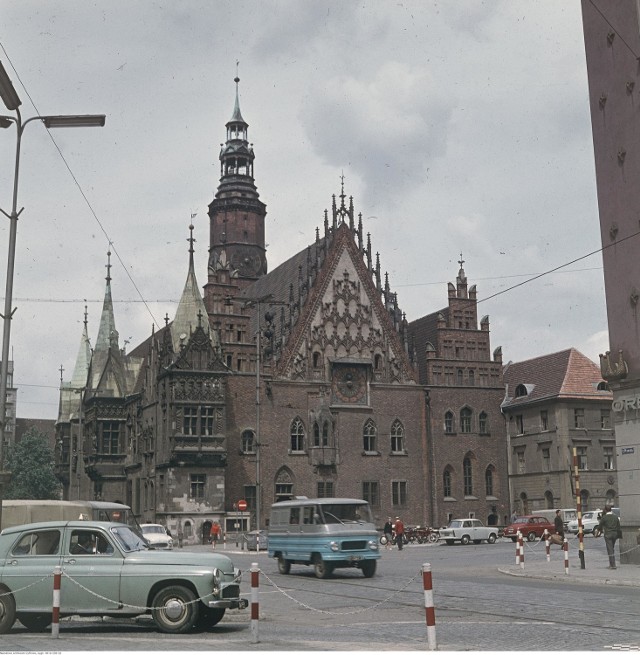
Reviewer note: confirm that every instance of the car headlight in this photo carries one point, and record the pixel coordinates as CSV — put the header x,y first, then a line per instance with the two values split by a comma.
x,y
373,545
335,546
217,578
237,576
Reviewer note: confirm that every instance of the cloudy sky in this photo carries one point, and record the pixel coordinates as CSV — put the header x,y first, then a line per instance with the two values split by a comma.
x,y
461,127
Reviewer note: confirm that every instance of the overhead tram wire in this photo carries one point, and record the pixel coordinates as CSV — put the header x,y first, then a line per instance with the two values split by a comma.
x,y
82,193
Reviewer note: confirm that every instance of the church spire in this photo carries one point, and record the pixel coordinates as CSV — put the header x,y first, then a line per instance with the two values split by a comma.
x,y
107,333
191,312
81,369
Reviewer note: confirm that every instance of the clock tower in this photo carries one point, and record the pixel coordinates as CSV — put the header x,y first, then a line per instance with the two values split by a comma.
x,y
237,216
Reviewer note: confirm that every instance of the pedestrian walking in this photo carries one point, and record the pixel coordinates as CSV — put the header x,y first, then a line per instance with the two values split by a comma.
x,y
399,528
610,526
514,516
388,533
215,533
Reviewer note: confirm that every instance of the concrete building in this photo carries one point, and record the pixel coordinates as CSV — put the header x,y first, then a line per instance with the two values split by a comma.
x,y
612,44
553,404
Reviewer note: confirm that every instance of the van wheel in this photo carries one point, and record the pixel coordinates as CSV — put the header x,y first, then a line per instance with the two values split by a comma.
x,y
369,568
284,566
7,610
321,568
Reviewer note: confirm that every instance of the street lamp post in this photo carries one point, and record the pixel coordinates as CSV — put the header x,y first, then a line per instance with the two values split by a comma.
x,y
12,103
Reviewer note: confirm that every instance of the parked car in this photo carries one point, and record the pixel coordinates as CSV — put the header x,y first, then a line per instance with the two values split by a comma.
x,y
532,527
590,522
251,539
467,530
109,571
156,535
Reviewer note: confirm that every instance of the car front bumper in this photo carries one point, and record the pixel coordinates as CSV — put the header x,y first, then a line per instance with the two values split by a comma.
x,y
229,603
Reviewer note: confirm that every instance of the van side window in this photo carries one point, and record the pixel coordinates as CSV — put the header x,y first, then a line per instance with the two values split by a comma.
x,y
307,515
295,516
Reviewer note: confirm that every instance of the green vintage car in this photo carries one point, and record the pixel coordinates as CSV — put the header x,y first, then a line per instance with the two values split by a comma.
x,y
107,570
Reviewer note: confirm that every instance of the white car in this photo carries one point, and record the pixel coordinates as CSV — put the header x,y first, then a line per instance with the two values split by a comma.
x,y
468,530
590,521
156,535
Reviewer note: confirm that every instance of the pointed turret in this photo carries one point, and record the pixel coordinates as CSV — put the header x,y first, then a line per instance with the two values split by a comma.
x,y
191,310
81,369
107,333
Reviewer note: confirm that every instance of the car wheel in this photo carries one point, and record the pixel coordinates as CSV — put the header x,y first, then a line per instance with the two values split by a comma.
x,y
175,609
531,536
449,542
465,540
433,538
284,566
368,568
209,616
34,622
321,568
492,539
7,610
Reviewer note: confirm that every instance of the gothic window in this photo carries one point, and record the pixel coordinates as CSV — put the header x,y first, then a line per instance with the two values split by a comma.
x,y
369,433
377,362
465,419
467,476
316,435
399,492
325,489
448,423
446,483
297,435
207,421
488,481
316,360
483,423
397,437
325,433
190,421
472,378
198,481
459,376
371,492
248,442
109,444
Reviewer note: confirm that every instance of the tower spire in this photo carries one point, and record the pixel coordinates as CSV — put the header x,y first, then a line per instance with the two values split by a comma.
x,y
107,329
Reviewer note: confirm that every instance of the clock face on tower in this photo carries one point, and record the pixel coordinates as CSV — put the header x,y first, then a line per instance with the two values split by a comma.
x,y
246,261
349,385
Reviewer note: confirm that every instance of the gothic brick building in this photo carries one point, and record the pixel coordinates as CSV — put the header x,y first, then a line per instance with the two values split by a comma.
x,y
305,380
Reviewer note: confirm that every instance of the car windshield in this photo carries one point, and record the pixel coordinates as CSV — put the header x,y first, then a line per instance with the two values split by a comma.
x,y
127,539
153,529
455,524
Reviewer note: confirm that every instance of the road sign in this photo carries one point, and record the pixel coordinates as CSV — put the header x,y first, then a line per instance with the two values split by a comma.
x,y
242,505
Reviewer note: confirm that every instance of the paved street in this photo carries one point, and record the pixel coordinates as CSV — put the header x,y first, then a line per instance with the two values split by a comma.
x,y
483,602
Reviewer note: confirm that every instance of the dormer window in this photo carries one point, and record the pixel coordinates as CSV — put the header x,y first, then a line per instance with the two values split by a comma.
x,y
521,390
603,386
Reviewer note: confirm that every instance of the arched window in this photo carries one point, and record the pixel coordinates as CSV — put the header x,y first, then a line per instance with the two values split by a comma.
x,y
316,360
316,435
524,503
548,498
297,435
377,362
521,390
446,483
465,419
488,481
459,376
397,437
584,499
483,423
325,433
467,476
369,433
448,423
472,378
248,442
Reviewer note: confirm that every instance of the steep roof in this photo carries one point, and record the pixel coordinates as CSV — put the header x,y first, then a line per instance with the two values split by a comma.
x,y
567,374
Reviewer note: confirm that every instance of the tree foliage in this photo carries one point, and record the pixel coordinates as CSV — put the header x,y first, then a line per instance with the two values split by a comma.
x,y
31,462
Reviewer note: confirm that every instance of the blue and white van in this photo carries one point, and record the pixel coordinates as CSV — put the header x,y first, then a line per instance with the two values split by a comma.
x,y
326,533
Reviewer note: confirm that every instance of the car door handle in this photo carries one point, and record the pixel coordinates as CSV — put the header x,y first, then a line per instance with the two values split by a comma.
x,y
68,561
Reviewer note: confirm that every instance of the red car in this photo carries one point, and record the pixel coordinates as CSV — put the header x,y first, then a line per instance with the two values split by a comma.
x,y
532,527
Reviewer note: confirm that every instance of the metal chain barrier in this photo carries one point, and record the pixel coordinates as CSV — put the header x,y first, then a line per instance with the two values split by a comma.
x,y
33,584
358,611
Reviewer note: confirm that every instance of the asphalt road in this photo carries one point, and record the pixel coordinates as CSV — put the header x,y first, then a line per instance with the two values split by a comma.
x,y
477,608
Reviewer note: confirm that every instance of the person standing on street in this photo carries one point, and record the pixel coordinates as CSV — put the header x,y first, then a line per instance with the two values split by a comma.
x,y
388,533
215,534
399,527
610,526
558,524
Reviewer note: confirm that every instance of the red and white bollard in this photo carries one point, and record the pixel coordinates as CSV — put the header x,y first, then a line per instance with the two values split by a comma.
x,y
55,617
565,547
428,606
547,544
518,548
521,541
255,605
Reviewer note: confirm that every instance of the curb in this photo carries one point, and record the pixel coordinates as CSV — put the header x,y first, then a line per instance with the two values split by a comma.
x,y
568,578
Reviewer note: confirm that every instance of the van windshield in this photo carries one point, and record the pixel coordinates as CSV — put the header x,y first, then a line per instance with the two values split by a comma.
x,y
346,513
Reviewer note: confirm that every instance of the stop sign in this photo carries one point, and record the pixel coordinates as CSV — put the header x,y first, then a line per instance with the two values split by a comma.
x,y
242,505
